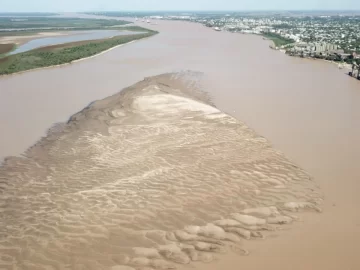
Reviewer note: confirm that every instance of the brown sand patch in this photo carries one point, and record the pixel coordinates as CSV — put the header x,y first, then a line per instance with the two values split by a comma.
x,y
149,178
5,48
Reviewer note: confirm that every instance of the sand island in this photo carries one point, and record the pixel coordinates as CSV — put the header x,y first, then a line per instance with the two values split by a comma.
x,y
153,176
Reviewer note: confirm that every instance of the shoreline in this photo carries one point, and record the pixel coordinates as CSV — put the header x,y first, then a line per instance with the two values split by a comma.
x,y
273,46
345,66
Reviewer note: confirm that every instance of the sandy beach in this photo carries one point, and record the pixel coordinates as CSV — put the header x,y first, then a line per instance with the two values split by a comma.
x,y
307,111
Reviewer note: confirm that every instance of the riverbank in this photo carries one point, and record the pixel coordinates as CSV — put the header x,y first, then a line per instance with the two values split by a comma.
x,y
340,65
277,40
57,55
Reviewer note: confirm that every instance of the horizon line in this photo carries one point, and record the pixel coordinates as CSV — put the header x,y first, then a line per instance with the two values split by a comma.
x,y
189,10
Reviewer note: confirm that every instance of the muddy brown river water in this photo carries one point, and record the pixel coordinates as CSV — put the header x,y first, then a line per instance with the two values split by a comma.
x,y
309,110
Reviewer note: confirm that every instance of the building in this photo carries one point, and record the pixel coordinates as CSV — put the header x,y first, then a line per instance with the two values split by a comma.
x,y
325,47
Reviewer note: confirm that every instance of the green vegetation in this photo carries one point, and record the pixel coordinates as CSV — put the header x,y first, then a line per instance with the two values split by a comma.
x,y
277,39
350,60
63,53
26,24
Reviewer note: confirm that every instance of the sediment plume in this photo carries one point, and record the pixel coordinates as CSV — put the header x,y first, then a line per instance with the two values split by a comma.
x,y
149,178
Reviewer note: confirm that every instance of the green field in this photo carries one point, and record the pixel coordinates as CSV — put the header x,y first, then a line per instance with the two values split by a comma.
x,y
64,53
277,39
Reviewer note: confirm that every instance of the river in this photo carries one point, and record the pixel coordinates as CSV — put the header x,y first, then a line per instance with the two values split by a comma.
x,y
308,109
72,37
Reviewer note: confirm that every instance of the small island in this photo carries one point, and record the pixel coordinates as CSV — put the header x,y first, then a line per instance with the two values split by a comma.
x,y
20,31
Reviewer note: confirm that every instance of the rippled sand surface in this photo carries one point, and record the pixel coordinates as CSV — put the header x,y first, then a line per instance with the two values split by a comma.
x,y
150,178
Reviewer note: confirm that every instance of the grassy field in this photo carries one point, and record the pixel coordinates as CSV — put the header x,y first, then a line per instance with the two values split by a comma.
x,y
277,39
63,53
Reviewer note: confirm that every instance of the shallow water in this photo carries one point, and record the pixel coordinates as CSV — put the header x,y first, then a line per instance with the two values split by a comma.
x,y
308,109
73,37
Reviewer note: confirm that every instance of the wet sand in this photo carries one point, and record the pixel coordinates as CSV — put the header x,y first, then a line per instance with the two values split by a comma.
x,y
307,109
154,177
22,39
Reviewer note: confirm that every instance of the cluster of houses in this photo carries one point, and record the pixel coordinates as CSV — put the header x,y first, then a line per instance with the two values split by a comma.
x,y
319,50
